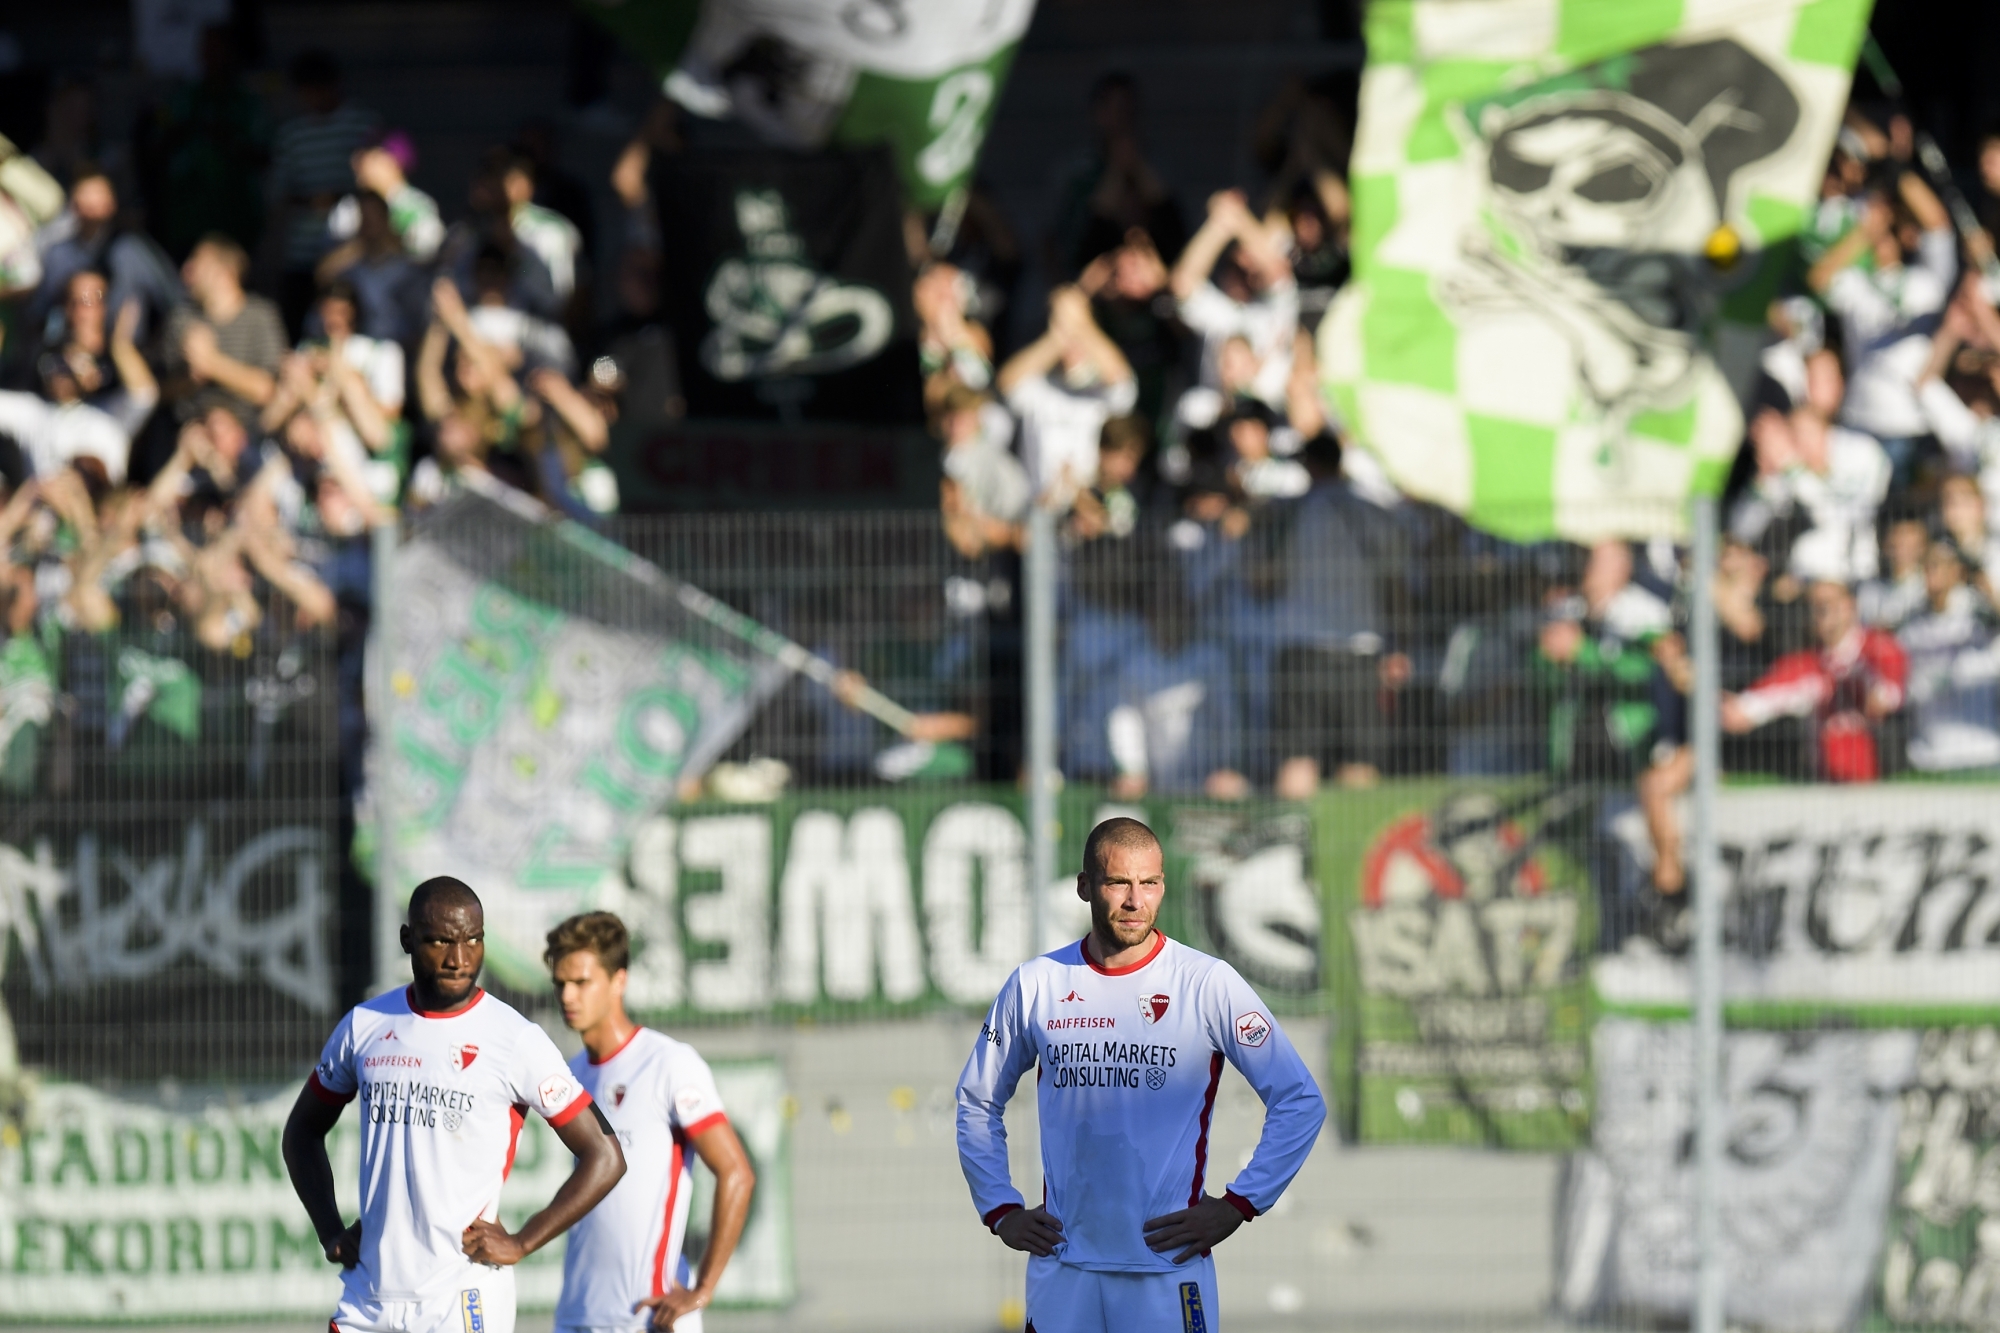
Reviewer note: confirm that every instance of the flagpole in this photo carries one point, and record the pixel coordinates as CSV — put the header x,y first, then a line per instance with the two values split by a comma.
x,y
1040,706
1707,885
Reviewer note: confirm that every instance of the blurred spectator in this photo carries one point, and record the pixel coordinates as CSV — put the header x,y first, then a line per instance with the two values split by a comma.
x,y
1334,657
223,349
1885,309
1064,386
1596,656
312,167
549,236
1954,670
1847,688
58,428
1130,301
1962,515
1316,218
88,235
1887,602
73,143
1959,388
202,159
389,288
383,167
1233,280
352,385
1115,189
952,348
556,190
985,492
1834,477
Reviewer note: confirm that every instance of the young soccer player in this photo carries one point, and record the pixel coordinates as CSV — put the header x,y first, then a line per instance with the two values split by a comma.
x,y
1131,1031
623,1269
445,1074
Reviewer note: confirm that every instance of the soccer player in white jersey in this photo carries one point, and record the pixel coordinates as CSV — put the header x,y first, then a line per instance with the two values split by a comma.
x,y
623,1269
446,1074
1131,1031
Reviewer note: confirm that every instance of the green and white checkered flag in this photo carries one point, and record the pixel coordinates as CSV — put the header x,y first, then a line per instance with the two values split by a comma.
x,y
1569,219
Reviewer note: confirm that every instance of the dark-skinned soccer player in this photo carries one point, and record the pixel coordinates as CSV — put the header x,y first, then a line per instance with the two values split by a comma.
x,y
445,1075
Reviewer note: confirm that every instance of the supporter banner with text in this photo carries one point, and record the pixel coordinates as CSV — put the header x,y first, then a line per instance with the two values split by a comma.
x,y
115,1210
1462,921
524,743
1569,218
924,79
1873,902
874,903
789,299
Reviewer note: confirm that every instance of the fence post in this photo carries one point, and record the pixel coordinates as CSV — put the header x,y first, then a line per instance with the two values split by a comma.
x,y
381,705
1040,705
1710,1117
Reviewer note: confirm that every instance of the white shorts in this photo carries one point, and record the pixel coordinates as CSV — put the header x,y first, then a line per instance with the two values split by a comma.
x,y
484,1303
687,1323
1062,1299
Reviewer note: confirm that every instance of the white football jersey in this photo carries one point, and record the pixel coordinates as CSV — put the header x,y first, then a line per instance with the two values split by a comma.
x,y
1130,1060
443,1097
658,1094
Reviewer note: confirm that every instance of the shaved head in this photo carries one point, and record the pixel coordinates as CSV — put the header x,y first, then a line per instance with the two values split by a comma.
x,y
442,892
1120,832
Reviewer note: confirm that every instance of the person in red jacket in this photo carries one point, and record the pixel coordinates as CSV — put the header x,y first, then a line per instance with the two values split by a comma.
x,y
1846,688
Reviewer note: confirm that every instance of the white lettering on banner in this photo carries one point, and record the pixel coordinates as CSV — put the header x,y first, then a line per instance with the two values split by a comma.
x,y
978,932
109,917
1503,946
1879,895
848,882
115,1209
958,116
737,917
651,913
1807,1178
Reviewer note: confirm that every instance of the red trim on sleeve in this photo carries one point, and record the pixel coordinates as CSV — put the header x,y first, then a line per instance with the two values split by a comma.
x,y
570,1112
1207,1113
667,1226
518,1115
326,1094
1240,1204
1159,943
410,999
630,1037
992,1219
707,1122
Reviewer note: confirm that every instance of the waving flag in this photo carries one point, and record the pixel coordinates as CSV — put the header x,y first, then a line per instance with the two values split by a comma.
x,y
1569,219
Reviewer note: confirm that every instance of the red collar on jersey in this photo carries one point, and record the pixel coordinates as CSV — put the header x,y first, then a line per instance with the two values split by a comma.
x,y
410,998
1159,943
630,1037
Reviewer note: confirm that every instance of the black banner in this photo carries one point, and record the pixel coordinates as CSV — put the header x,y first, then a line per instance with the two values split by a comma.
x,y
788,286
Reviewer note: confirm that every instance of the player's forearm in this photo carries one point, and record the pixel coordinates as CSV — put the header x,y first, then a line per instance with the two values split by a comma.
x,y
311,1172
599,1165
725,1228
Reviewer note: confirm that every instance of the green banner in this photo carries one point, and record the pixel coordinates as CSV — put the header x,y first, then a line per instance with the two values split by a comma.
x,y
545,691
1569,218
923,78
116,1210
892,902
1459,930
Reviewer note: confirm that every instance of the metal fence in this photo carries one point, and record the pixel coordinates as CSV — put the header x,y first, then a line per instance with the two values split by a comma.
x,y
1427,789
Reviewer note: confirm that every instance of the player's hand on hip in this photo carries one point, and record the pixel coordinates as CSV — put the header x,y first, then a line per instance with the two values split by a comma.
x,y
671,1306
345,1249
488,1243
1030,1229
1193,1230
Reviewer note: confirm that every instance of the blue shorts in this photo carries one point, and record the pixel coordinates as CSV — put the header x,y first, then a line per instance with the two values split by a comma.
x,y
1062,1299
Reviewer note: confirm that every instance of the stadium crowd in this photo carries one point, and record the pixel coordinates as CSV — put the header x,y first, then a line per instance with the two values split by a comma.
x,y
231,351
